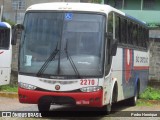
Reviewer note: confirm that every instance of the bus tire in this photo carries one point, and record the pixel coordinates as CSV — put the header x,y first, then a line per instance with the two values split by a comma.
x,y
107,109
115,93
44,104
133,100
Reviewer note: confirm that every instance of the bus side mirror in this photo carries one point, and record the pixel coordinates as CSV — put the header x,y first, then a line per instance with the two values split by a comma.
x,y
16,31
114,47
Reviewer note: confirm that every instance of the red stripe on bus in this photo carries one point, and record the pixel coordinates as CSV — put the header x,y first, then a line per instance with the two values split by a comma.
x,y
141,67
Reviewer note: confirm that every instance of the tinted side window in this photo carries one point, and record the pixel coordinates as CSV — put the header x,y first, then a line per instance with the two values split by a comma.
x,y
144,38
147,38
123,31
130,32
135,34
110,23
141,37
117,28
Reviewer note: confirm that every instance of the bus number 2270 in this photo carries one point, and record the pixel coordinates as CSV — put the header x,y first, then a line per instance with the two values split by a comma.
x,y
87,82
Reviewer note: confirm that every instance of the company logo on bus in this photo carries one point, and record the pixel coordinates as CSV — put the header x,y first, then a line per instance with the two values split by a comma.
x,y
57,87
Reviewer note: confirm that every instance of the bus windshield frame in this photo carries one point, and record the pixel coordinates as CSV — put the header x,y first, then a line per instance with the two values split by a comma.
x,y
69,44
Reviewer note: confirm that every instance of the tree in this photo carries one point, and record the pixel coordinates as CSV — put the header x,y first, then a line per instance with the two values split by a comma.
x,y
8,21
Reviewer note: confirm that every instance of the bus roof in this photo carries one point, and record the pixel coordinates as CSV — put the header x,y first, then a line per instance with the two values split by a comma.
x,y
136,20
4,25
89,7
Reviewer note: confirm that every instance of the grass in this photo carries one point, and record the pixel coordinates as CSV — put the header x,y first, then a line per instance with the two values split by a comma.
x,y
142,102
150,94
8,88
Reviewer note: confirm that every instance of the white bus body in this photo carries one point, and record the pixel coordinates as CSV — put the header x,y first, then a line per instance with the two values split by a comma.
x,y
70,76
5,53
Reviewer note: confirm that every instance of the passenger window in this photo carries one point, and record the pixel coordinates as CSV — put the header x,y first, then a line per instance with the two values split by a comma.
x,y
110,23
117,28
130,27
141,37
123,31
135,34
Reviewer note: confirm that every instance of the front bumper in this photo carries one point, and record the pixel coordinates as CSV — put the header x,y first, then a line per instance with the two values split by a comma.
x,y
90,99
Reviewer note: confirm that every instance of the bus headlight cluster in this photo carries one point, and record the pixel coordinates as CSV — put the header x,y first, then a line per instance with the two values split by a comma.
x,y
26,86
91,89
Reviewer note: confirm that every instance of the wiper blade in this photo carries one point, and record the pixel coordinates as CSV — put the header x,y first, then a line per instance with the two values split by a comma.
x,y
49,59
71,60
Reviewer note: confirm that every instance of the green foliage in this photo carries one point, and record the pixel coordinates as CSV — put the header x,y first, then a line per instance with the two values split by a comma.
x,y
8,88
96,1
150,94
154,25
141,102
8,21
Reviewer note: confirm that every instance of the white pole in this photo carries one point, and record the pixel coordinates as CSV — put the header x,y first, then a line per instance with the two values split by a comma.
x,y
141,4
122,4
1,13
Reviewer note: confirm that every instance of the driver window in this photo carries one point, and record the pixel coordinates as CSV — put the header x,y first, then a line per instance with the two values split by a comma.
x,y
110,31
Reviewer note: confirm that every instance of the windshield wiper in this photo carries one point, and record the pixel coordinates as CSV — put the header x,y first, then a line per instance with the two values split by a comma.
x,y
49,59
71,60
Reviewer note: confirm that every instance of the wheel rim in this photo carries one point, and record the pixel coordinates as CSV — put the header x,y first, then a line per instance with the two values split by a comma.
x,y
135,98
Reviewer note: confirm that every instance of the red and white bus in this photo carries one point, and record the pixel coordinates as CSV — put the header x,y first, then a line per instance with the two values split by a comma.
x,y
81,54
5,53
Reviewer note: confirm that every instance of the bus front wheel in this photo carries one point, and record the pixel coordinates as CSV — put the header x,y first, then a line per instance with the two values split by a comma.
x,y
44,104
107,109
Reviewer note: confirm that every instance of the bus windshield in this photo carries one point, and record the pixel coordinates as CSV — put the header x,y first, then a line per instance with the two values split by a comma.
x,y
4,38
62,44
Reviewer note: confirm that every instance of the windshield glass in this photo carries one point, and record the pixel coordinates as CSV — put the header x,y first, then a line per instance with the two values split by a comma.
x,y
4,38
67,44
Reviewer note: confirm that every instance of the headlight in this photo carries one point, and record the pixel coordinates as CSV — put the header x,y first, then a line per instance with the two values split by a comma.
x,y
91,89
26,86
